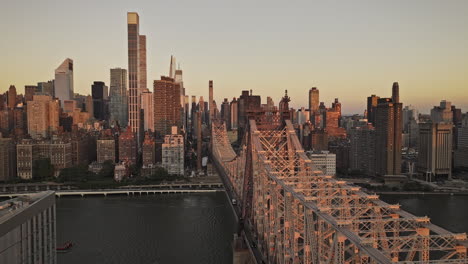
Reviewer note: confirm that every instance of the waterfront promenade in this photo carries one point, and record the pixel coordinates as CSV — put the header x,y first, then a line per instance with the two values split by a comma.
x,y
134,190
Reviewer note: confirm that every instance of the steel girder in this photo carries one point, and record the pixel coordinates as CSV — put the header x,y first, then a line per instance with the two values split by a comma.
x,y
302,218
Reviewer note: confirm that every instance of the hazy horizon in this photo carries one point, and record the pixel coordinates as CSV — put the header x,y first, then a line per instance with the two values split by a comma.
x,y
348,50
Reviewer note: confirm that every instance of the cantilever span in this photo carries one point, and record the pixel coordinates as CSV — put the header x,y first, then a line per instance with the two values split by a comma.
x,y
299,217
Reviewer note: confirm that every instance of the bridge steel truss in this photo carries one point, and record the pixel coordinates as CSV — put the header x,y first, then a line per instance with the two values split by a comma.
x,y
299,217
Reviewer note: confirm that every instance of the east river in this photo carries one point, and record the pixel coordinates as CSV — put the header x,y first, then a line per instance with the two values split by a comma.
x,y
187,228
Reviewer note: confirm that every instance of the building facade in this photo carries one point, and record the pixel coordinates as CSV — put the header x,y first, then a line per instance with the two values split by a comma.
x,y
28,229
135,72
461,153
362,149
128,149
388,134
323,161
442,113
313,101
42,116
173,153
148,110
100,95
166,106
105,150
63,84
435,149
149,151
7,159
118,104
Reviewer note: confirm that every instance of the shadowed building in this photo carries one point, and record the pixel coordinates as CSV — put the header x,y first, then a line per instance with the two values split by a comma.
x,y
118,105
149,150
362,150
100,96
11,97
371,105
7,159
29,91
211,101
247,103
234,114
46,88
388,122
226,113
128,150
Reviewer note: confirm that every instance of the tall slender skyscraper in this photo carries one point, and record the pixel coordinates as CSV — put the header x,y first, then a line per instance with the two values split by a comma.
x,y
148,110
142,45
64,81
118,96
135,70
211,102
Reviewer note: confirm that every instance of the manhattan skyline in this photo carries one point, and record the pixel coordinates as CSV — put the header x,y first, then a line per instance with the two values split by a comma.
x,y
349,50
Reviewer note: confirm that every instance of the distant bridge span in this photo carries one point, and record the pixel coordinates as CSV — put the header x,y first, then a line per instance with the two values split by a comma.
x,y
298,217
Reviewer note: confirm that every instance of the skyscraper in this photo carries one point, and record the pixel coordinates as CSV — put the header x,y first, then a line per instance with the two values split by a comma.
x,y
388,122
211,102
135,69
362,150
99,93
11,97
234,113
42,116
371,105
435,149
461,154
313,100
142,64
226,113
166,105
148,110
64,81
118,105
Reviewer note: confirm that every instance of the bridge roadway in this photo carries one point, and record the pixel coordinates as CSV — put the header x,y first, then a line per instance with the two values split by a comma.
x,y
244,228
137,190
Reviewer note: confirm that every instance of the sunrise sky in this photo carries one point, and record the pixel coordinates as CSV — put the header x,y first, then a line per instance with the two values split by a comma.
x,y
348,49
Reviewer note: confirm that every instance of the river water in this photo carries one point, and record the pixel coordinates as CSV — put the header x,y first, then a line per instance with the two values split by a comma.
x,y
187,228
169,228
447,211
